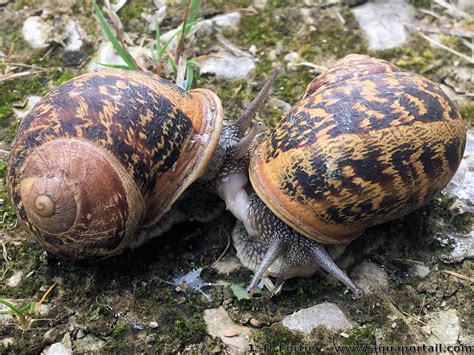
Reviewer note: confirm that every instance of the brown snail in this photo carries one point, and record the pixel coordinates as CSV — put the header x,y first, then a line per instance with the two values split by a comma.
x,y
104,162
366,144
98,164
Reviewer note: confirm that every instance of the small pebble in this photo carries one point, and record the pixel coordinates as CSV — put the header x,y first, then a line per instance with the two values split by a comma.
x,y
153,324
255,323
80,334
15,279
231,332
58,349
426,329
150,339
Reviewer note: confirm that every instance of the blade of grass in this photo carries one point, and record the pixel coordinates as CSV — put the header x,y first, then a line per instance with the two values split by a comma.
x,y
173,64
115,66
14,309
189,76
193,12
115,43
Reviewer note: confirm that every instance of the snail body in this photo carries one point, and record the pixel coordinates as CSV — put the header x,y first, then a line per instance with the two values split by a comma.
x,y
106,153
366,144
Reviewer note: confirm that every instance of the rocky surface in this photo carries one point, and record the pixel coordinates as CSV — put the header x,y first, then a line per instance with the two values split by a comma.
x,y
327,315
370,277
57,349
185,293
385,23
219,324
444,326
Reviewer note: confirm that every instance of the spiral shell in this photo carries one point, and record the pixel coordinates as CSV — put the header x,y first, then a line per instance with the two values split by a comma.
x,y
106,153
366,144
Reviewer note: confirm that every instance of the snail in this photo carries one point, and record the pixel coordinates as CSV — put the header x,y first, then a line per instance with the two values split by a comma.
x,y
113,158
366,144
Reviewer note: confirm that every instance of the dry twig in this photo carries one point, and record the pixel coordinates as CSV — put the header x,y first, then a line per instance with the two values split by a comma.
x,y
459,276
453,51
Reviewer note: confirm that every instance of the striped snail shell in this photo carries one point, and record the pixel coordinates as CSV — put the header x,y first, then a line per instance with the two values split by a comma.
x,y
106,153
367,144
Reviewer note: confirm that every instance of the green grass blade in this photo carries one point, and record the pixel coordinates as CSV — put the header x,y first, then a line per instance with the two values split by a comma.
x,y
173,65
115,43
193,13
189,76
115,66
12,307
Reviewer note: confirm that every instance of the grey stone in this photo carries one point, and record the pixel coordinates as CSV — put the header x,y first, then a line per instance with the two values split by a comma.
x,y
14,280
219,22
461,247
465,5
444,327
421,270
259,4
324,314
106,54
54,334
74,41
218,323
36,32
6,342
67,340
58,349
89,343
384,22
226,265
461,186
370,277
31,101
227,66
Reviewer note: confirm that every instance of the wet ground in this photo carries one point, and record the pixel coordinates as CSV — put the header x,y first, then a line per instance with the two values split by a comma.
x,y
418,270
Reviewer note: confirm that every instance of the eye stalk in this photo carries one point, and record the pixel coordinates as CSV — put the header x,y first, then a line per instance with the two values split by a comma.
x,y
244,121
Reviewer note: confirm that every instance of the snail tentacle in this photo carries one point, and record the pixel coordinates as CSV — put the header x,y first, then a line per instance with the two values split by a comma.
x,y
273,253
245,120
322,258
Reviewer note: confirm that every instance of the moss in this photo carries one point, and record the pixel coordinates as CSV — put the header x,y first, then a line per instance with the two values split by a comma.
x,y
421,3
131,13
279,340
418,56
118,329
20,4
467,113
17,91
360,336
65,76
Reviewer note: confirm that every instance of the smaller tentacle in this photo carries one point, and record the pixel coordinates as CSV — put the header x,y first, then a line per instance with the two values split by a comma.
x,y
274,252
244,121
323,259
243,146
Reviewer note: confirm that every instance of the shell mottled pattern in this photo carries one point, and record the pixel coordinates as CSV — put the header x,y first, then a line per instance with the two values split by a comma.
x,y
358,152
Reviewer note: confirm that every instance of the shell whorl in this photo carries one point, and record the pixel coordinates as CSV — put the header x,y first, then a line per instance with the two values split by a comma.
x,y
81,204
49,203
